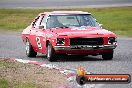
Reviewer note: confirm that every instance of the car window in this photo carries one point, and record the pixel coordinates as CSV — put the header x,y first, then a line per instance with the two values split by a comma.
x,y
68,19
53,22
71,20
43,22
37,22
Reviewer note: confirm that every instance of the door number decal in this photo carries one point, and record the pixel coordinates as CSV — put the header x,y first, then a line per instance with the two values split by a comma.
x,y
38,43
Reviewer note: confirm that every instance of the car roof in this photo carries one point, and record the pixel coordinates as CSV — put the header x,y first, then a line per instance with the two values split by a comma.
x,y
63,12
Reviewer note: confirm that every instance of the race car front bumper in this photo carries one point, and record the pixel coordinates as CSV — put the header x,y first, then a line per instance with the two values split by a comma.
x,y
85,47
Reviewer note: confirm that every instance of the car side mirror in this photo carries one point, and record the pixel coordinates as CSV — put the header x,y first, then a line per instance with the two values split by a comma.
x,y
100,25
41,27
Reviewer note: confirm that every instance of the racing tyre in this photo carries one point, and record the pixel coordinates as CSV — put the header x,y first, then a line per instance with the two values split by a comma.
x,y
107,56
29,49
51,56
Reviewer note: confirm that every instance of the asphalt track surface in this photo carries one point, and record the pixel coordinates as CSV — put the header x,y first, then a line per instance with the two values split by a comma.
x,y
11,45
62,3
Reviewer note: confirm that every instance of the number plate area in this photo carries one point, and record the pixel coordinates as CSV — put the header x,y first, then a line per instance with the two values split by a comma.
x,y
86,47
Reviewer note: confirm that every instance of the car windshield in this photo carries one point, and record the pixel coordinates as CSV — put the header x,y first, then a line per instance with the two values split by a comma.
x,y
74,20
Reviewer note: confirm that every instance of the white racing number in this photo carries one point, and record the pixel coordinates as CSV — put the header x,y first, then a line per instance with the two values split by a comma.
x,y
38,42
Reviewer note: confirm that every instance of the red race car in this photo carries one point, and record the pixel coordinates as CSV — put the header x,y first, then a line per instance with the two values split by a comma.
x,y
68,32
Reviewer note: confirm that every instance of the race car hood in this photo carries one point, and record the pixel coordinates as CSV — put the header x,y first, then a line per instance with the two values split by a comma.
x,y
83,32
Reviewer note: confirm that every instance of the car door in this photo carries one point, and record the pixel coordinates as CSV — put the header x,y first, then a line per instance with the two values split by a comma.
x,y
40,35
34,40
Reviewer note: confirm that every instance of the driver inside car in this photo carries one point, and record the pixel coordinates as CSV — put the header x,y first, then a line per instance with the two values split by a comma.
x,y
53,22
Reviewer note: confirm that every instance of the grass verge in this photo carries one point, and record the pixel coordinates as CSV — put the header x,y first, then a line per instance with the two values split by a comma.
x,y
6,84
118,19
20,75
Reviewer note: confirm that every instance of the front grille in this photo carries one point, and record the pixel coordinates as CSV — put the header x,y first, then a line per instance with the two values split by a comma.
x,y
86,41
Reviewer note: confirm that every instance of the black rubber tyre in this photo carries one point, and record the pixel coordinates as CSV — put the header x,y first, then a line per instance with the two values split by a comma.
x,y
29,49
107,56
51,56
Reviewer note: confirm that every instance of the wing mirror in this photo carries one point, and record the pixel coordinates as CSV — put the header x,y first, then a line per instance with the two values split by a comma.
x,y
100,25
41,27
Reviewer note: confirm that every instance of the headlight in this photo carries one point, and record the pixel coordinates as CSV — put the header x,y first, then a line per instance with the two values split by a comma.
x,y
60,41
112,40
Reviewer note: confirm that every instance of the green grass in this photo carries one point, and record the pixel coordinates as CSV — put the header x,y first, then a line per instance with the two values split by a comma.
x,y
6,84
118,20
3,83
23,85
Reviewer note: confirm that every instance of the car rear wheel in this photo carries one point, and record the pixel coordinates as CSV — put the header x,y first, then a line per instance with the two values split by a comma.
x,y
29,49
107,56
51,56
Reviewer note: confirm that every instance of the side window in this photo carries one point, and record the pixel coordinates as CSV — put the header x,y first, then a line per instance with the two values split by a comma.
x,y
43,22
37,22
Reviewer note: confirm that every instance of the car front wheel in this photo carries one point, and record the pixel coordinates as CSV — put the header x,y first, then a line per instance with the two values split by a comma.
x,y
107,56
29,49
50,53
